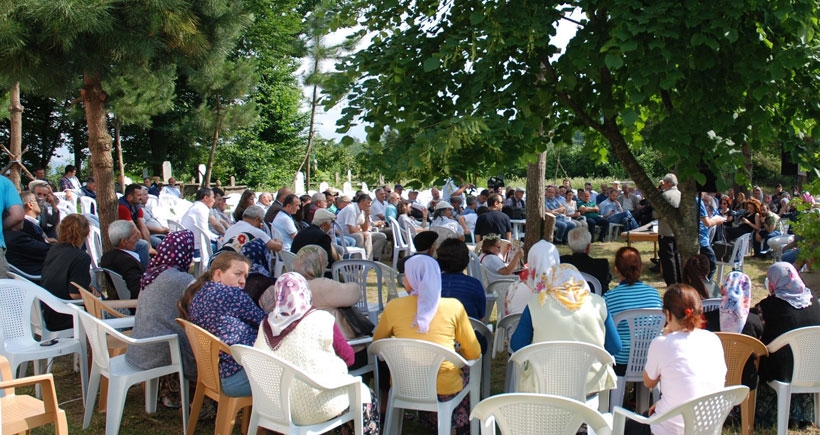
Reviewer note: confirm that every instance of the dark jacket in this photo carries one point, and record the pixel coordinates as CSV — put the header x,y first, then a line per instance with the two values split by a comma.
x,y
125,265
597,267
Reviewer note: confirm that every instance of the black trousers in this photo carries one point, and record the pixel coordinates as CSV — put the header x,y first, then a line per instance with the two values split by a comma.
x,y
670,260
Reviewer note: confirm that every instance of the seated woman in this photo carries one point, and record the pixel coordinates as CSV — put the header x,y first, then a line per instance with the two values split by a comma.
x,y
247,199
162,287
789,306
749,223
562,307
405,217
217,303
425,315
687,358
453,257
67,262
443,217
629,294
310,340
259,277
491,258
695,271
543,256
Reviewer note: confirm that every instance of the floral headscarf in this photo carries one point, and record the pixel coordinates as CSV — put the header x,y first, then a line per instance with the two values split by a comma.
x,y
785,283
259,255
567,286
310,262
541,260
734,302
177,251
424,276
293,301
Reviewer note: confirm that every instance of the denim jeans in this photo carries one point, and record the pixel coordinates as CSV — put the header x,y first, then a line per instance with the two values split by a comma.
x,y
237,384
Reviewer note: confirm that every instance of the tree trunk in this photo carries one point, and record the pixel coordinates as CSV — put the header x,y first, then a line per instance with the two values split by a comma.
x,y
118,141
748,166
99,143
535,201
206,180
311,133
16,145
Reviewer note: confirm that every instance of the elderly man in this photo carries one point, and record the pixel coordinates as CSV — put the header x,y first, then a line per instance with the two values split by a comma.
x,y
591,212
579,242
378,206
284,223
355,223
218,220
171,188
317,234
49,213
31,218
196,218
27,250
614,213
667,245
265,201
563,224
317,201
391,211
250,228
124,260
90,188
272,208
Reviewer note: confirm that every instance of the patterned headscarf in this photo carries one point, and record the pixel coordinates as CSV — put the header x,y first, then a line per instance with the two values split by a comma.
x,y
735,301
567,286
259,255
293,301
541,260
785,283
424,276
310,262
177,251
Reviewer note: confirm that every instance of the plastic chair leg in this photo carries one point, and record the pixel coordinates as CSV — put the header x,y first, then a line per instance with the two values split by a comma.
x,y
116,404
196,408
91,396
783,407
747,413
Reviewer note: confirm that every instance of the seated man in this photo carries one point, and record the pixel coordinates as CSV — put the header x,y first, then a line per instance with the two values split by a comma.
x,y
49,216
31,222
24,250
155,228
579,242
196,218
591,212
317,234
284,223
129,208
494,221
219,221
614,213
425,243
250,228
355,222
123,259
563,224
171,188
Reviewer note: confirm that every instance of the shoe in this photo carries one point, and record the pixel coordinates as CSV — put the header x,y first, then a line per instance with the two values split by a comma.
x,y
654,260
656,268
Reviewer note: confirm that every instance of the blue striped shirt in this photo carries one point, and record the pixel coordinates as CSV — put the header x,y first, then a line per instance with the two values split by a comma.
x,y
626,297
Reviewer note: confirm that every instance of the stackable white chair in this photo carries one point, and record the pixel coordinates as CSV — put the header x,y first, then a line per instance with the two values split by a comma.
x,y
120,285
399,242
594,284
805,346
504,329
537,414
93,245
390,280
287,258
645,324
414,366
348,252
710,304
357,271
206,250
486,332
271,379
739,251
88,205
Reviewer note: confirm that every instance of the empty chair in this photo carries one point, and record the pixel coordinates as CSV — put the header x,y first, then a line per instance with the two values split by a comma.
x,y
272,379
486,332
737,349
701,415
390,280
805,373
121,375
357,271
24,412
287,259
399,242
537,414
414,368
644,325
206,348
735,260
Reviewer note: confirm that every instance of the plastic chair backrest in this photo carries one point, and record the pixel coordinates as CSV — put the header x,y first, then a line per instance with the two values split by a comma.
x,y
206,250
93,245
562,368
398,237
14,270
97,331
390,279
88,205
523,413
740,249
737,348
287,259
94,305
499,289
504,329
594,284
645,324
206,348
805,347
474,268
443,234
357,271
16,300
710,304
174,226
119,284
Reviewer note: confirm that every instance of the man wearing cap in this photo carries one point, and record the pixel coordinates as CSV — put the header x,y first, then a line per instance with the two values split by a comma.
x,y
355,222
317,234
425,243
398,189
443,217
517,200
667,246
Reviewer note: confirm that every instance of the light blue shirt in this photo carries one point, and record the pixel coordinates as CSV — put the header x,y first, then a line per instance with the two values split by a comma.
x,y
608,206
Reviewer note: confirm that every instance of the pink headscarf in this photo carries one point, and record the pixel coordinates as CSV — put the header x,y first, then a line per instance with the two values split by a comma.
x,y
735,301
423,274
293,301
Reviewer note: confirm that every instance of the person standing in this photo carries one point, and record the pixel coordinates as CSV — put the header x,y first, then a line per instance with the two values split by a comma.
x,y
12,205
667,245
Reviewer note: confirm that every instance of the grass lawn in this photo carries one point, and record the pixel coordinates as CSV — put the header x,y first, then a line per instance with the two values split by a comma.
x,y
166,421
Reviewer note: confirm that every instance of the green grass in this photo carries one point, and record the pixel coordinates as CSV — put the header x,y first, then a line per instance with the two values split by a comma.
x,y
166,421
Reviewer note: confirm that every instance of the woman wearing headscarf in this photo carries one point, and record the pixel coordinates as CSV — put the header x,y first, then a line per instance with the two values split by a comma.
x,y
259,279
309,339
540,260
561,307
161,288
790,305
425,315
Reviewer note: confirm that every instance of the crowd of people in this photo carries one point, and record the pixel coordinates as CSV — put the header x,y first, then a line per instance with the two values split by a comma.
x,y
303,316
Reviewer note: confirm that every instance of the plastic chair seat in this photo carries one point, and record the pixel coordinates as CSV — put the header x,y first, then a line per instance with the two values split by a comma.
x,y
805,346
23,413
542,414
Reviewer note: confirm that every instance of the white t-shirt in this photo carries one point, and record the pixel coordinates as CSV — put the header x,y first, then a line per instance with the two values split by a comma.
x,y
197,216
690,364
448,223
286,226
493,263
348,216
377,208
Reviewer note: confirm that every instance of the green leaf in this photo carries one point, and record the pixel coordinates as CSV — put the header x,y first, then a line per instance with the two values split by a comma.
x,y
614,61
347,141
629,117
431,64
476,18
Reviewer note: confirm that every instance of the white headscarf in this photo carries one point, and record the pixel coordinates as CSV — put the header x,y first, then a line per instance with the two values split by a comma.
x,y
424,276
541,260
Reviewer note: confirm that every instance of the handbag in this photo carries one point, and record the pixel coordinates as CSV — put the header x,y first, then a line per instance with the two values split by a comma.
x,y
360,324
723,251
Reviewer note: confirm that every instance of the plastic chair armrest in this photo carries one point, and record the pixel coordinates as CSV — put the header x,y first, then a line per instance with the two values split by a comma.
x,y
121,322
46,383
170,338
332,384
777,344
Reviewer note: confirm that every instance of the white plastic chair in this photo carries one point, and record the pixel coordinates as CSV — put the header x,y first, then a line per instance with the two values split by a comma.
x,y
614,231
287,259
93,245
119,284
348,252
357,271
88,205
399,242
271,379
504,329
486,331
499,290
645,324
594,284
805,347
206,250
561,368
414,367
20,273
710,304
17,343
122,375
174,226
541,414
390,280
701,415
739,251
443,234
474,269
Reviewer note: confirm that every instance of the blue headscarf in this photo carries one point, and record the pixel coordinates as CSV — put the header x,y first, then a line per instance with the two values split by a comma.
x,y
259,255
